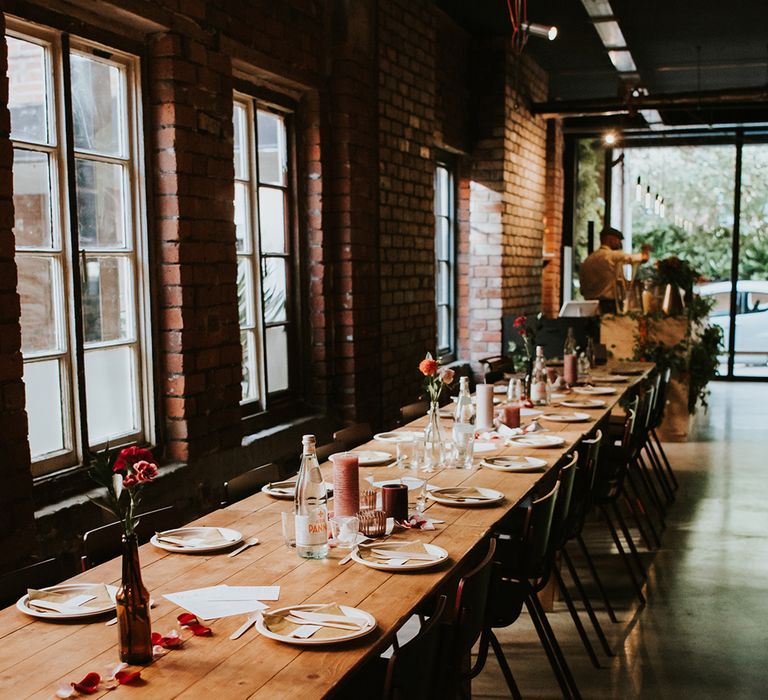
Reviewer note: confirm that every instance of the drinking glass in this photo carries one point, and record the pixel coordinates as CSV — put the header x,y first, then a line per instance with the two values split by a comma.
x,y
463,445
289,528
404,453
344,529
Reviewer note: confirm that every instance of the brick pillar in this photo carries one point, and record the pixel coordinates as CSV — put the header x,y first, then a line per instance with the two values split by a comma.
x,y
17,535
351,209
197,286
553,222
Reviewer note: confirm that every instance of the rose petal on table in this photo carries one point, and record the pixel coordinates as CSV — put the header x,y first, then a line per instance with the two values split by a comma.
x,y
89,684
170,641
64,690
125,677
187,619
158,651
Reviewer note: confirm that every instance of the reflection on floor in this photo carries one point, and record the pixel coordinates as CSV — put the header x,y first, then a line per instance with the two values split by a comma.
x,y
704,632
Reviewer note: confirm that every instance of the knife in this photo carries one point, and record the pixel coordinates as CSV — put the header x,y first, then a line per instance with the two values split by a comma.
x,y
319,618
249,622
399,554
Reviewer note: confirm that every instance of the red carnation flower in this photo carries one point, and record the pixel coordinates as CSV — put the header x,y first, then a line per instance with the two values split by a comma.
x,y
145,471
130,456
130,480
520,322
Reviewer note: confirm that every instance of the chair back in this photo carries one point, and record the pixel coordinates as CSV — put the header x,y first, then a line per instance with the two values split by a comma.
x,y
14,584
413,411
471,605
614,460
462,369
248,483
353,435
330,448
535,551
103,543
581,496
561,513
412,668
661,399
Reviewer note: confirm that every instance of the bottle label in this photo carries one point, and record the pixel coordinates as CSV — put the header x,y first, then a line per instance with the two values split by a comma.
x,y
538,391
312,529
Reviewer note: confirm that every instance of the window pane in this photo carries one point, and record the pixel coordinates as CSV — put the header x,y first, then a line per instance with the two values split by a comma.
x,y
443,239
443,327
274,286
32,199
245,292
111,393
277,358
100,215
240,135
45,402
250,382
96,106
273,154
37,285
442,192
27,90
272,220
443,283
107,296
242,218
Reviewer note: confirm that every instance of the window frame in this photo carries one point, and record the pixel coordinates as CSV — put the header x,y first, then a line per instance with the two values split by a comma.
x,y
60,47
260,412
449,164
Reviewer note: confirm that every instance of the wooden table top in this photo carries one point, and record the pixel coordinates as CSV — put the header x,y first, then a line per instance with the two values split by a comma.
x,y
36,655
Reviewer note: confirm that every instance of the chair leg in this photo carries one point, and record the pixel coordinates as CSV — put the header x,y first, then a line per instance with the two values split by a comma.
x,y
576,619
561,680
630,542
549,634
636,505
595,577
658,470
624,557
663,454
508,677
650,487
588,606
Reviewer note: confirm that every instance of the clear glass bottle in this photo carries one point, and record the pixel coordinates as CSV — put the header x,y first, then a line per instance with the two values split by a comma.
x,y
570,343
465,410
590,352
539,380
515,390
311,505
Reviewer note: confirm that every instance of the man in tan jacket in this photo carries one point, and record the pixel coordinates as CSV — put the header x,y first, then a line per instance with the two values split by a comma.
x,y
597,273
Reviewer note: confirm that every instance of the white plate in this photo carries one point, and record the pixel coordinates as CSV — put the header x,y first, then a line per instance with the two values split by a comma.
x,y
594,390
500,388
397,436
574,417
536,441
410,565
76,589
232,537
343,635
492,496
368,458
608,378
515,464
287,490
483,447
584,403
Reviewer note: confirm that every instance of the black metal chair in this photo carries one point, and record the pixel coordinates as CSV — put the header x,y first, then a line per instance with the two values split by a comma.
x,y
103,543
248,483
330,448
353,435
413,411
15,583
413,668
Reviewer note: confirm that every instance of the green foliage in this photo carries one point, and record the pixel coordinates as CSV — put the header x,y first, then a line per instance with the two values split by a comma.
x,y
703,365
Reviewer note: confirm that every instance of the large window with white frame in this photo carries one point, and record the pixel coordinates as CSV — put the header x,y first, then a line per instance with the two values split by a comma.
x,y
266,262
79,228
445,259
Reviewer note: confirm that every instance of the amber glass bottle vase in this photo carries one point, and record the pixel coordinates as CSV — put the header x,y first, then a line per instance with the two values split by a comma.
x,y
132,604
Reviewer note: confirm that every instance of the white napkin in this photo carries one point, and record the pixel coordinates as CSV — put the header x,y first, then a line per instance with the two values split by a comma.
x,y
223,601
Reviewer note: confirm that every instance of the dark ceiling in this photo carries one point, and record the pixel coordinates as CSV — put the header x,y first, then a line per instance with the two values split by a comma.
x,y
679,46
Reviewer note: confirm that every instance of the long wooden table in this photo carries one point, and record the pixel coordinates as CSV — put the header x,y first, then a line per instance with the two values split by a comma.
x,y
35,656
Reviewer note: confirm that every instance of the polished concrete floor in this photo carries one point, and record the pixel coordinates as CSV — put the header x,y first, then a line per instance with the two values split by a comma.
x,y
704,630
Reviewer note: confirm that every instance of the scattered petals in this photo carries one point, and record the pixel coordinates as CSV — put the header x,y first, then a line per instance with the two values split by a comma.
x,y
112,670
193,625
64,690
417,522
170,641
89,684
158,651
125,677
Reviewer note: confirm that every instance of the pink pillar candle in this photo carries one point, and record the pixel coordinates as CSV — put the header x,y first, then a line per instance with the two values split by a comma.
x,y
346,485
484,416
511,415
570,369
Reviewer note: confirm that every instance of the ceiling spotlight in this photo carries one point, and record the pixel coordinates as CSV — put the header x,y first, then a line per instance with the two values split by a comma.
x,y
610,138
541,30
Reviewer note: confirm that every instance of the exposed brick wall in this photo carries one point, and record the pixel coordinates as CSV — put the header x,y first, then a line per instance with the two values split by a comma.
x,y
16,515
406,185
452,89
191,97
553,222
